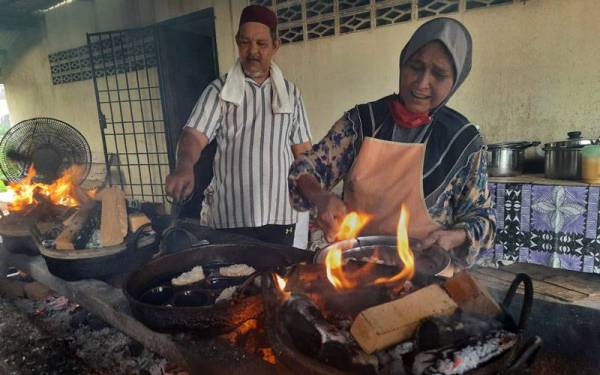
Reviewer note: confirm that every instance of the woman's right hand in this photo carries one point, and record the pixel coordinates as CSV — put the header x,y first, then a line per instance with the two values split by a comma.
x,y
330,213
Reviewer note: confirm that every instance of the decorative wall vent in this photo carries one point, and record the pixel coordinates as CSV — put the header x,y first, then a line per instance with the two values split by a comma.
x,y
474,4
73,65
312,19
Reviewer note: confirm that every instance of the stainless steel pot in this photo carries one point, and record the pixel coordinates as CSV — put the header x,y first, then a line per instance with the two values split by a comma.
x,y
563,159
507,159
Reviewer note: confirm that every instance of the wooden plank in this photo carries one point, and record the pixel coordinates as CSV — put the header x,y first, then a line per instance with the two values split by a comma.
x,y
113,221
470,295
380,326
535,271
539,286
577,283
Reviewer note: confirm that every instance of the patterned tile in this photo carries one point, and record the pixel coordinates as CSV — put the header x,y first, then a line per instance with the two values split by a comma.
x,y
500,188
558,208
591,229
525,208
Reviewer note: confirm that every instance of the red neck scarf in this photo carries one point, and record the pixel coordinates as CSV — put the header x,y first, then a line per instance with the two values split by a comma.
x,y
404,118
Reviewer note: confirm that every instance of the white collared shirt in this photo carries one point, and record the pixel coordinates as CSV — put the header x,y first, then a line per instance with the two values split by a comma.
x,y
249,188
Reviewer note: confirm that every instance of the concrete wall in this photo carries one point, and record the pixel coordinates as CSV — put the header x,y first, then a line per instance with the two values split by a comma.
x,y
535,70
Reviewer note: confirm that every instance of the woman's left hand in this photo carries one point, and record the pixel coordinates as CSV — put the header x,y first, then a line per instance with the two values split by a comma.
x,y
447,239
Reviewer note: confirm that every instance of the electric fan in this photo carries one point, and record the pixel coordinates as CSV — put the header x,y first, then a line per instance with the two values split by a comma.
x,y
51,145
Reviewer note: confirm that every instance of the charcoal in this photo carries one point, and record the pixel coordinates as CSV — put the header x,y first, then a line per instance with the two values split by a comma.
x,y
444,331
316,337
87,229
462,358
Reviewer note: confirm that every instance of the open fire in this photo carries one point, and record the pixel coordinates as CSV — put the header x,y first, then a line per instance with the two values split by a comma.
x,y
377,308
350,228
62,192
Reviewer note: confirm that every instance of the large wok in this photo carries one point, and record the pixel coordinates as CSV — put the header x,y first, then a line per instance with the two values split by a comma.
x,y
210,319
516,360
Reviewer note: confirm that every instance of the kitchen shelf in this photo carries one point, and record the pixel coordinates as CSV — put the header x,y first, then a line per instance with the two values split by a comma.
x,y
537,179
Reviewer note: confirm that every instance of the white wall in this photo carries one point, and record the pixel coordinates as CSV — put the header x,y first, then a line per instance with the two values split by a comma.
x,y
535,66
535,70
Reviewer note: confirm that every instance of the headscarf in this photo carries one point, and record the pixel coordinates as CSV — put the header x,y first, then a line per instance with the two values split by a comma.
x,y
454,36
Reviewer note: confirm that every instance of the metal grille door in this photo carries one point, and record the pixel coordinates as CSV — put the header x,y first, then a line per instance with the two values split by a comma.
x,y
125,68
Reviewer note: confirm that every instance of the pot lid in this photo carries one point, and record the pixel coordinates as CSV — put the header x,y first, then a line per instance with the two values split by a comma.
x,y
574,141
513,145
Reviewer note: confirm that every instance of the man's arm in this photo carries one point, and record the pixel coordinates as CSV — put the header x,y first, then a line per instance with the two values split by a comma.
x,y
180,184
301,148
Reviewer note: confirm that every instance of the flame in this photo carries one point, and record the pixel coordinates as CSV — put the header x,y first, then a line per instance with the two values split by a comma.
x,y
268,355
341,279
281,284
352,224
60,192
404,251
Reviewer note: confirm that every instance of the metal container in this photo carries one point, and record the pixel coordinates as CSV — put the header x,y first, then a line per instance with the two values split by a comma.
x,y
590,164
563,159
507,159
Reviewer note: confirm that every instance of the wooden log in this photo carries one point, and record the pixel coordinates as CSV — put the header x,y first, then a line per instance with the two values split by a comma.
x,y
315,336
136,220
443,331
64,241
113,222
470,295
378,327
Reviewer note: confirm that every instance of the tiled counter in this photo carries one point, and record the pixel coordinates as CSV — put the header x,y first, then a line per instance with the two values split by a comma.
x,y
548,222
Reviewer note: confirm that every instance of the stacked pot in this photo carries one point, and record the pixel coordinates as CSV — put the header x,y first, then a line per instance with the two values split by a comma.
x,y
575,158
564,159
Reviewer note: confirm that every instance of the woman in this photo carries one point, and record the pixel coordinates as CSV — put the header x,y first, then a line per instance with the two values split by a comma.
x,y
408,148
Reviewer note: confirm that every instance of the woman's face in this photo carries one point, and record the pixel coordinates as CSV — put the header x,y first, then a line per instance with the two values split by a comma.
x,y
426,78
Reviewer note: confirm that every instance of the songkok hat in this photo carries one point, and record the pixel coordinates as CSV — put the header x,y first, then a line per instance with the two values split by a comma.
x,y
260,14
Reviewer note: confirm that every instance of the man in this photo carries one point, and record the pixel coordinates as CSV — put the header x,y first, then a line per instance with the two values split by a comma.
x,y
260,125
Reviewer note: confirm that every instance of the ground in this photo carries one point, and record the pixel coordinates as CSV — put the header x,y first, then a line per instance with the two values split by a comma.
x,y
55,336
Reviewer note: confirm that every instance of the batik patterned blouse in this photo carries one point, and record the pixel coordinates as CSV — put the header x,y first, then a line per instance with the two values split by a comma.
x,y
464,203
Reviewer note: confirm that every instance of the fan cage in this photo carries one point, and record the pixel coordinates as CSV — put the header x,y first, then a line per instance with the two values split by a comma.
x,y
24,138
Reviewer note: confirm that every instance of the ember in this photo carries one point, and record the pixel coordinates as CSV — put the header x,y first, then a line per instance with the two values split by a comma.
x,y
64,191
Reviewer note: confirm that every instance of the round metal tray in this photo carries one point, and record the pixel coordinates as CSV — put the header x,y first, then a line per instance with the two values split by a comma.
x,y
382,249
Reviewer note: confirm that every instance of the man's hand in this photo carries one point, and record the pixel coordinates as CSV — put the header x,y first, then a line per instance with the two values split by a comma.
x,y
330,213
447,239
180,184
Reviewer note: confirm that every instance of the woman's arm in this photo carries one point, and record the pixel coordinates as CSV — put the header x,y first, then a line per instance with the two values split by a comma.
x,y
472,210
316,172
327,163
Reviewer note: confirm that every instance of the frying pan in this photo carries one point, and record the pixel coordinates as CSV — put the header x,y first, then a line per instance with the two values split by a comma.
x,y
204,317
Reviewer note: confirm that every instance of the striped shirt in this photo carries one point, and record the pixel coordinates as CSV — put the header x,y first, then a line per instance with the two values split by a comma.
x,y
254,154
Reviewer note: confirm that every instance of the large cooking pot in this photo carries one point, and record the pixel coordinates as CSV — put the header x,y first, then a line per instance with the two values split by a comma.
x,y
563,158
507,159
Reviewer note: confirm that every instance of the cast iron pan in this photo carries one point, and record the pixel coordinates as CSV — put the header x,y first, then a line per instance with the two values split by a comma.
x,y
516,360
161,307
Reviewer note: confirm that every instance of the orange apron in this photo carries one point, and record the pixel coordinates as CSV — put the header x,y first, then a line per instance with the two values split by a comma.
x,y
384,176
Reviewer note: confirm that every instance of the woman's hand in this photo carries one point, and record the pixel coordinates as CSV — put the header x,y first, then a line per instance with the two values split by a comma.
x,y
447,239
330,213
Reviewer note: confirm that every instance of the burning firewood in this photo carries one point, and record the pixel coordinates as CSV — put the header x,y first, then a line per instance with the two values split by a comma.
x,y
315,336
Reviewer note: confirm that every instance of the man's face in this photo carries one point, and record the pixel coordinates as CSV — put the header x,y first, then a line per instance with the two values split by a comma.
x,y
256,49
426,78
